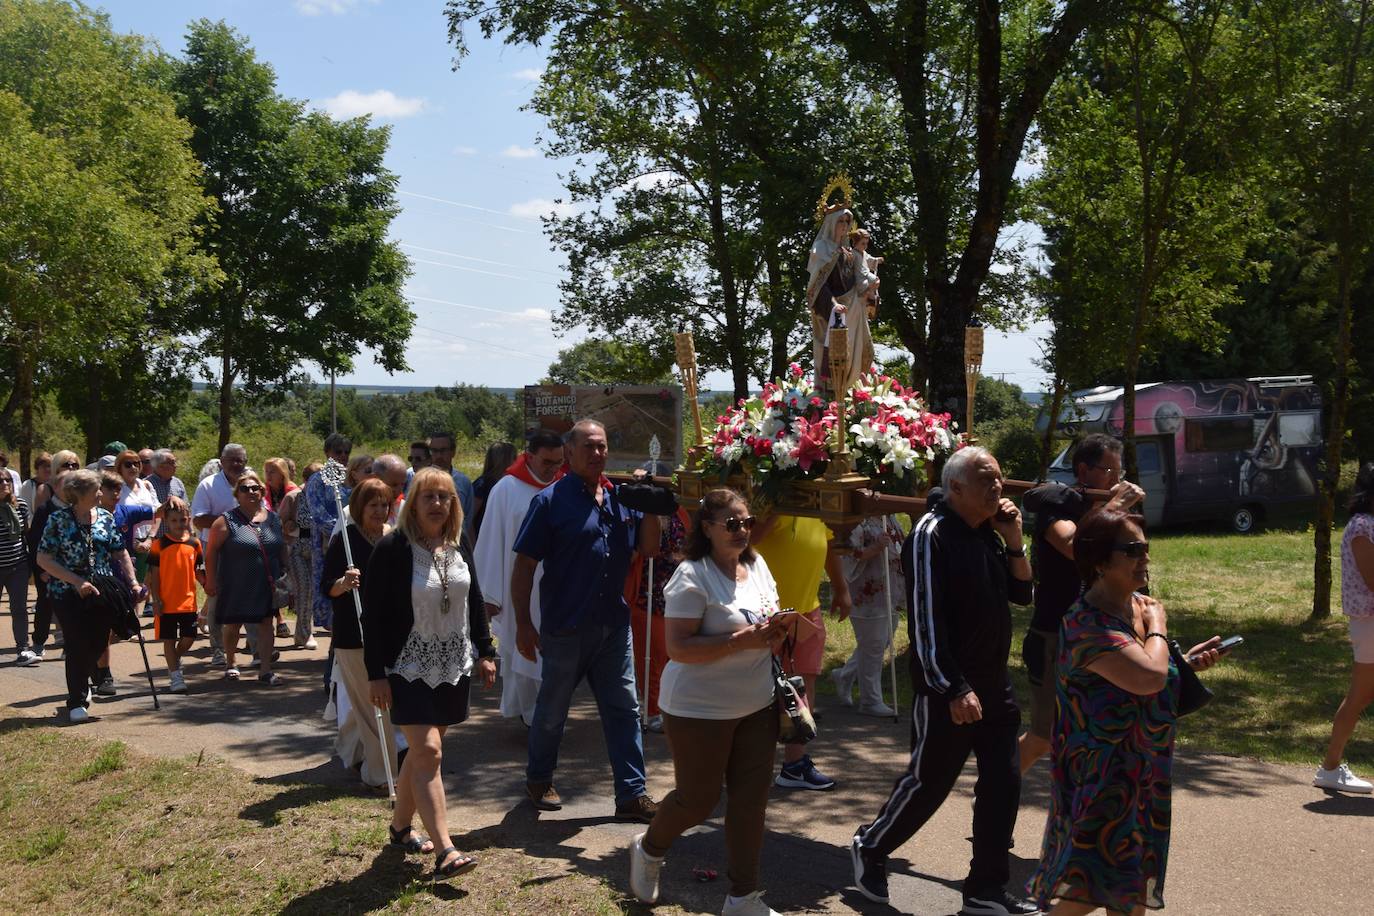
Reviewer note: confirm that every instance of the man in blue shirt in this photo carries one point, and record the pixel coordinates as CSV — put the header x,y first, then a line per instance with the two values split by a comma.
x,y
441,449
578,529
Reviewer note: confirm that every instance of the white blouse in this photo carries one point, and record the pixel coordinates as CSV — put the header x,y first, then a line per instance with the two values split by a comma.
x,y
438,650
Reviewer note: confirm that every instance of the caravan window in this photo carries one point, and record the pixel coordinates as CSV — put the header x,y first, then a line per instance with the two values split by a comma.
x,y
1147,458
1299,428
1219,434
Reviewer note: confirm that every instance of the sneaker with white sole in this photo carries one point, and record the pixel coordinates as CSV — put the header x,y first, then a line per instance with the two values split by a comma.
x,y
644,870
34,660
1342,780
218,659
802,774
178,682
997,902
78,715
878,710
24,657
748,905
107,688
870,869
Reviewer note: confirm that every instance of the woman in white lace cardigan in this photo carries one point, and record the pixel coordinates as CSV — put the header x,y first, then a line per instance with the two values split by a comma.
x,y
425,630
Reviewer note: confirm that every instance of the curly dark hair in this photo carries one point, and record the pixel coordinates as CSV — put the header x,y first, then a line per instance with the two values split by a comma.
x,y
715,504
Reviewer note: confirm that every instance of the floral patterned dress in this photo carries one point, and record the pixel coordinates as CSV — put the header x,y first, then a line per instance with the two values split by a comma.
x,y
1107,838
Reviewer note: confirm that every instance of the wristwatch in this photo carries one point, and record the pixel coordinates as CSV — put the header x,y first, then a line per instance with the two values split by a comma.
x,y
1020,552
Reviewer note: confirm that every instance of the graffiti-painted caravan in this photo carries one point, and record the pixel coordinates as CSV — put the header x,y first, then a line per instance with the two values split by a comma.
x,y
1238,450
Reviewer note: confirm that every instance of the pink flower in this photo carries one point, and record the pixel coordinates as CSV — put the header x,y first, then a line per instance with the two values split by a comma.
x,y
795,370
812,447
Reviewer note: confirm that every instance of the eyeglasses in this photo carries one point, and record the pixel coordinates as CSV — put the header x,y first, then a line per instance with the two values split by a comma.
x,y
733,525
250,488
436,496
1133,549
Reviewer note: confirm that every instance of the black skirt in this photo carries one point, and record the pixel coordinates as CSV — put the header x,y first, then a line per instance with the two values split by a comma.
x,y
417,703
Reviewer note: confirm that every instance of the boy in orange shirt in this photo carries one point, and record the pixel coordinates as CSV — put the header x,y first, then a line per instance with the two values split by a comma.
x,y
175,565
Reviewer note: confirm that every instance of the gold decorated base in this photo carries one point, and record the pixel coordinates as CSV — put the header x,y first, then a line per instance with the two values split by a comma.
x,y
832,499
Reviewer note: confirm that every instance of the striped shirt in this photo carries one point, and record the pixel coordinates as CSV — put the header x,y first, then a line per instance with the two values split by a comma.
x,y
12,551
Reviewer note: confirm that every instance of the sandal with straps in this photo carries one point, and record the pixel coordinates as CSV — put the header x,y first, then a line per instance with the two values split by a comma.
x,y
444,867
409,840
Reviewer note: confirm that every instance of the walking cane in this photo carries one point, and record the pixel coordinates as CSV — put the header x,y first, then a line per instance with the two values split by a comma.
x,y
333,474
143,647
891,624
655,449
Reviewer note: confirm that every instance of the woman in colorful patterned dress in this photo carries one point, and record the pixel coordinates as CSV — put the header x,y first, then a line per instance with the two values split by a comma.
x,y
1107,839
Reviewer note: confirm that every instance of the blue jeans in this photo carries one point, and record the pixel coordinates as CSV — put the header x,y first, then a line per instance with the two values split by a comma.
x,y
601,654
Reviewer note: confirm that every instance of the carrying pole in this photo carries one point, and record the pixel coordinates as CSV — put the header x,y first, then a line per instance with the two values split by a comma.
x,y
655,450
891,623
334,476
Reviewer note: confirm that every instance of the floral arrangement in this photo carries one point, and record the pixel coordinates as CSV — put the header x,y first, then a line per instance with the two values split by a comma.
x,y
785,433
892,436
781,434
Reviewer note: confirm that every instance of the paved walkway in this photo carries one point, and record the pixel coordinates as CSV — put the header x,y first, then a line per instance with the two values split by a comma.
x,y
1248,837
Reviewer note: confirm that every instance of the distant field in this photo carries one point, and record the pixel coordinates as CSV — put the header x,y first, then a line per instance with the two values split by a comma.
x,y
1276,696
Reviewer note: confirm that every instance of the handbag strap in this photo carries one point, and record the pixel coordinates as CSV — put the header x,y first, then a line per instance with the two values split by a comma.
x,y
266,563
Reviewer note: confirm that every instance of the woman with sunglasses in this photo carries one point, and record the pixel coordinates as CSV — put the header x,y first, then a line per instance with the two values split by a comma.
x,y
1107,837
137,492
425,634
244,558
717,699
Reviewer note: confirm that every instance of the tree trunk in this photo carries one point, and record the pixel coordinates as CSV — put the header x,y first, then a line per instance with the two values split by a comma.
x,y
94,413
1047,443
1335,436
780,316
24,383
226,396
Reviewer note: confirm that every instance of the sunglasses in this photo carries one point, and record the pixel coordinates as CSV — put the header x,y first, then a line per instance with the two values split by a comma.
x,y
733,525
250,488
1133,549
70,465
131,464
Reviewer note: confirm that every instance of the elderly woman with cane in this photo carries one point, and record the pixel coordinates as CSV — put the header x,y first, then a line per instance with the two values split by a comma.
x,y
80,543
425,630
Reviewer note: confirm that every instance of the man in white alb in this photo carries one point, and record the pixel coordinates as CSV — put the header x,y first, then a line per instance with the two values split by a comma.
x,y
538,466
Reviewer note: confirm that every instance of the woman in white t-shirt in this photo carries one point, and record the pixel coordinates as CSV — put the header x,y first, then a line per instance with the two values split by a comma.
x,y
717,698
1357,600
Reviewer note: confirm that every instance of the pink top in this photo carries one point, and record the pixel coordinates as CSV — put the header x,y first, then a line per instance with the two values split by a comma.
x,y
1356,598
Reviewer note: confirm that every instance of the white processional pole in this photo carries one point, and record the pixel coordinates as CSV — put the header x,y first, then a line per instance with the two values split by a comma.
x,y
334,474
891,624
655,450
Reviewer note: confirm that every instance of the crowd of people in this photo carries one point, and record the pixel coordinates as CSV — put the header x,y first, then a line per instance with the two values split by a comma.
x,y
424,580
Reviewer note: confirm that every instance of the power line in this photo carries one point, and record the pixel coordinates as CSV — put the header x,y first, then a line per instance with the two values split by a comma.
x,y
477,308
487,343
454,254
455,203
474,270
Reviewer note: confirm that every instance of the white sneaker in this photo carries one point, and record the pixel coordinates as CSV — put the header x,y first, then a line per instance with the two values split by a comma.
x,y
25,656
655,724
844,687
748,905
644,870
881,710
178,682
1342,780
78,715
34,660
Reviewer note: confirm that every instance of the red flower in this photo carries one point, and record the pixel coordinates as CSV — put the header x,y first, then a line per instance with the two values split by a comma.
x,y
763,447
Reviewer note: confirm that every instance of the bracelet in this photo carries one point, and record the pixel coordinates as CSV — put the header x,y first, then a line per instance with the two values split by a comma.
x,y
1154,633
1016,553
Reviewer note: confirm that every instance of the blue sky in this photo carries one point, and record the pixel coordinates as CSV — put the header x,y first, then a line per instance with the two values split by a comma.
x,y
473,180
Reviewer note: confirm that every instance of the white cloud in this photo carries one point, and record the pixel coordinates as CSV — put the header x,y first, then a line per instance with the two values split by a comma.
x,y
528,75
533,314
465,151
540,206
651,180
519,152
383,104
333,7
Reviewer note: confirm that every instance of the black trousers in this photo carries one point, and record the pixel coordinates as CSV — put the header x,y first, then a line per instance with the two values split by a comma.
x,y
85,633
939,749
42,613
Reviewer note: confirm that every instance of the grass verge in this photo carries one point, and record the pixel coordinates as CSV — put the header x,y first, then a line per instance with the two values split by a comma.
x,y
1275,697
91,828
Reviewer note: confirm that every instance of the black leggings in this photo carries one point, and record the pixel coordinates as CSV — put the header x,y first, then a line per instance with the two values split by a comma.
x,y
86,633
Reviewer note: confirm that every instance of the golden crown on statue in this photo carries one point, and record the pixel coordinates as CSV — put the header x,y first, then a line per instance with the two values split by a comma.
x,y
838,182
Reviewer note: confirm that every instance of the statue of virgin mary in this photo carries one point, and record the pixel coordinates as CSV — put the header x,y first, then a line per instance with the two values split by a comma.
x,y
830,269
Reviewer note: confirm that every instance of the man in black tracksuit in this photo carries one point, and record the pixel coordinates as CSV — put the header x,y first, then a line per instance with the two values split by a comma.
x,y
964,561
